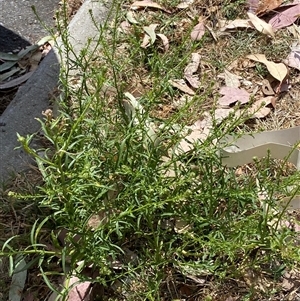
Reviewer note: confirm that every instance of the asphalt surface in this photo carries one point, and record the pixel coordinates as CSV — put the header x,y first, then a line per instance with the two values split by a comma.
x,y
19,26
10,41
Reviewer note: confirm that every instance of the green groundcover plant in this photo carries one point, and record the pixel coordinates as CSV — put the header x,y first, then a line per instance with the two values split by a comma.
x,y
133,207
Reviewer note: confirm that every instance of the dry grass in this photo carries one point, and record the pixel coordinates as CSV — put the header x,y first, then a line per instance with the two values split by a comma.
x,y
17,216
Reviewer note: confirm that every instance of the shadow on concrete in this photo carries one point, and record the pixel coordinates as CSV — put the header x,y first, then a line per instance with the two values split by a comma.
x,y
10,41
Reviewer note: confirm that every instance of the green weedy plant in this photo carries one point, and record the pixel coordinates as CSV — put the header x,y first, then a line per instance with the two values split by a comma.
x,y
155,217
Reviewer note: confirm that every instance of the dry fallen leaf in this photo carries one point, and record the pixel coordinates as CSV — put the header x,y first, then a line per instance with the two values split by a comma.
x,y
185,4
35,59
232,95
277,70
192,68
221,114
198,32
165,41
266,6
295,31
231,80
283,86
97,220
147,3
199,131
285,18
78,291
293,59
146,41
235,24
134,109
290,280
150,31
261,25
252,6
131,18
125,27
150,37
267,88
259,109
182,86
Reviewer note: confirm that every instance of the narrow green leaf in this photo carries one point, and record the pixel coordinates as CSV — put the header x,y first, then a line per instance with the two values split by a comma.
x,y
7,65
17,81
8,56
8,74
28,49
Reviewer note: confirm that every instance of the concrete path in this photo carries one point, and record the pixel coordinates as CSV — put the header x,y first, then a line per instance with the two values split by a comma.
x,y
33,97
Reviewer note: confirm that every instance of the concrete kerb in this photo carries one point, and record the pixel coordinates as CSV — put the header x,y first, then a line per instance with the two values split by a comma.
x,y
33,97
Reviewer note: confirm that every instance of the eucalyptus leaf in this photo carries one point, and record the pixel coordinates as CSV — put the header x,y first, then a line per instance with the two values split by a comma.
x,y
150,31
130,18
